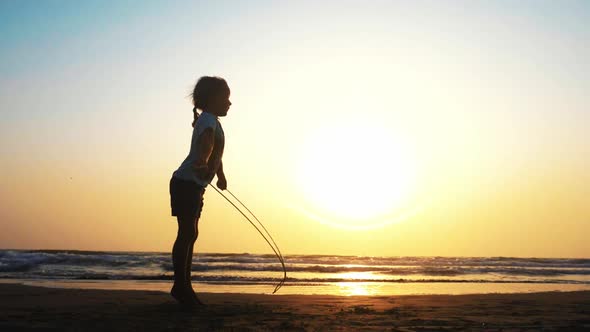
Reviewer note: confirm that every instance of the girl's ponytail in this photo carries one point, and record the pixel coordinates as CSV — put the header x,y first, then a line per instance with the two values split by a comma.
x,y
195,116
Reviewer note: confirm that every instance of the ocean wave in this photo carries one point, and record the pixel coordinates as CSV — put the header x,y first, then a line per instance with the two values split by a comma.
x,y
98,257
244,280
409,270
73,264
14,261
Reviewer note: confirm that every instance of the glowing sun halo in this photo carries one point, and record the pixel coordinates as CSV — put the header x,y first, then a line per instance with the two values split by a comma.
x,y
354,175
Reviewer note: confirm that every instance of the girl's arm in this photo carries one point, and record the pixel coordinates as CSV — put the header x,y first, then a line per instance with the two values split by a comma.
x,y
220,173
205,148
221,181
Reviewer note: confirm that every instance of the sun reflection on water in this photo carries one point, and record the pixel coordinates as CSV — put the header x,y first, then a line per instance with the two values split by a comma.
x,y
356,288
350,288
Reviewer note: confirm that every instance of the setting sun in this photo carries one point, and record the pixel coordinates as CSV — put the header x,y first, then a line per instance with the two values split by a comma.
x,y
355,175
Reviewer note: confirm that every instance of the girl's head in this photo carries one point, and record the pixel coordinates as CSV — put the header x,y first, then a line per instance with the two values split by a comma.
x,y
211,94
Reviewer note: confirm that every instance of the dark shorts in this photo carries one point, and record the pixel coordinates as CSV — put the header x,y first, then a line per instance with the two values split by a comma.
x,y
186,198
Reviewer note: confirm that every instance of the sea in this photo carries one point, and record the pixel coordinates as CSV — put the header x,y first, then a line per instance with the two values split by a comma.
x,y
306,274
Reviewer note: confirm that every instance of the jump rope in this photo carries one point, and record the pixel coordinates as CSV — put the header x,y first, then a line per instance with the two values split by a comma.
x,y
274,246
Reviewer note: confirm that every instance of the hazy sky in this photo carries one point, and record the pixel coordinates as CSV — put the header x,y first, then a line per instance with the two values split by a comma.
x,y
357,127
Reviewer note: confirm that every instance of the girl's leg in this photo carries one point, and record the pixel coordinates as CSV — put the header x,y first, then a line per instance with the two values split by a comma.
x,y
189,258
189,261
180,253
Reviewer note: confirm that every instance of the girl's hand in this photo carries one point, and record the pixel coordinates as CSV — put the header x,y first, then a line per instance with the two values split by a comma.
x,y
221,183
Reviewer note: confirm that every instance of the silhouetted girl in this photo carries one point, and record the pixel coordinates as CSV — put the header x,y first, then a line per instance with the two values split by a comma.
x,y
188,182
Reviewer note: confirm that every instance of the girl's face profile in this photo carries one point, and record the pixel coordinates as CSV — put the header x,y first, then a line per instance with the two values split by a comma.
x,y
219,104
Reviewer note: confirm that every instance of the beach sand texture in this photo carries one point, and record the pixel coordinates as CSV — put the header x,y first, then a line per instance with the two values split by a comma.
x,y
52,309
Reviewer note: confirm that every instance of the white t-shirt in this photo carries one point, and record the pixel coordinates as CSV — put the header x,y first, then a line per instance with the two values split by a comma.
x,y
186,170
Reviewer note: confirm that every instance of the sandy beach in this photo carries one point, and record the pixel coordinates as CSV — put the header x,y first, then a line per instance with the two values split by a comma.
x,y
38,308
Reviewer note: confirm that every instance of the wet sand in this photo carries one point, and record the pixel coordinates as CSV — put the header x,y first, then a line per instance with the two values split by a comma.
x,y
53,309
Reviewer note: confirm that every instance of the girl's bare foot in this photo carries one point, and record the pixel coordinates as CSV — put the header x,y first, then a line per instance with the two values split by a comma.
x,y
184,296
196,298
194,295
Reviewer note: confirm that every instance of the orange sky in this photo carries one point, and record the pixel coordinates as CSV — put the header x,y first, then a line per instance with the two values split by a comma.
x,y
390,129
